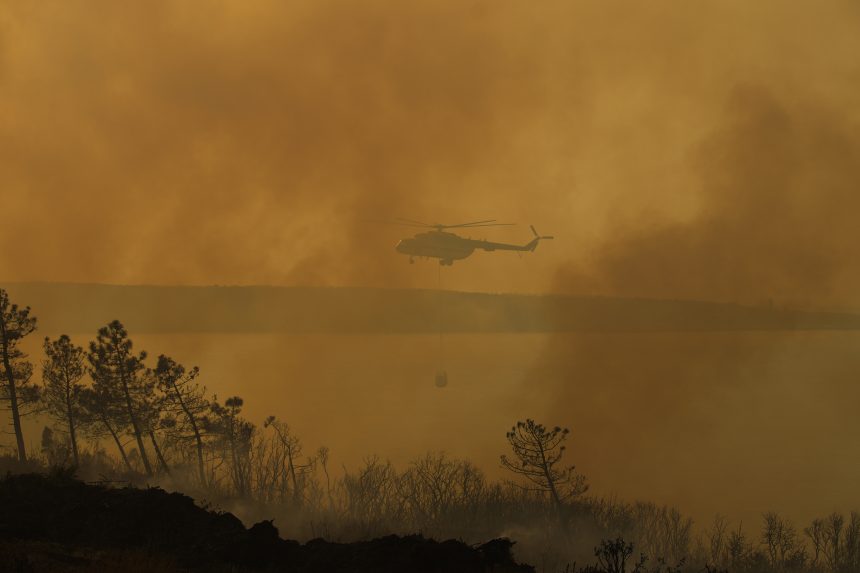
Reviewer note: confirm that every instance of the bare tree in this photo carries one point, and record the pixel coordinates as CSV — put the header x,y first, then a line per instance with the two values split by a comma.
x,y
236,439
662,530
849,554
185,400
613,554
292,448
740,551
537,456
322,456
718,542
817,533
115,372
836,542
370,496
781,543
61,374
438,490
15,324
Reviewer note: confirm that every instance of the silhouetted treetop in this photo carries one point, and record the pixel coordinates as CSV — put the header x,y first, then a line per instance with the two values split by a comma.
x,y
115,371
15,324
62,371
537,456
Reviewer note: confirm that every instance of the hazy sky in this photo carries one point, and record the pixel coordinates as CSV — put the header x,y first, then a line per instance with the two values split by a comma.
x,y
697,149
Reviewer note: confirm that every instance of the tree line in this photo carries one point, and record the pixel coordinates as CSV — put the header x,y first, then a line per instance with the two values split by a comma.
x,y
160,417
106,391
164,426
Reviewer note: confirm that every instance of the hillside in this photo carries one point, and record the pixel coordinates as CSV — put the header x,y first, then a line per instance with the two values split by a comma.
x,y
85,307
57,523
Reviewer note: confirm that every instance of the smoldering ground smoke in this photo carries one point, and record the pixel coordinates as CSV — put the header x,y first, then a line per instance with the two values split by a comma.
x,y
727,413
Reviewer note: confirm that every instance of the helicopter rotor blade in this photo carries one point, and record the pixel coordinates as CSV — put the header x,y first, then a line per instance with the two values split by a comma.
x,y
490,223
472,223
401,220
486,225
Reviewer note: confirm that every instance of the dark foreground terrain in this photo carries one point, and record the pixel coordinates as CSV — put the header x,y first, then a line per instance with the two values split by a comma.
x,y
57,523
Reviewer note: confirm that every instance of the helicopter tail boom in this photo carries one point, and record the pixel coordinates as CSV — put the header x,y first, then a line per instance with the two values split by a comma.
x,y
530,246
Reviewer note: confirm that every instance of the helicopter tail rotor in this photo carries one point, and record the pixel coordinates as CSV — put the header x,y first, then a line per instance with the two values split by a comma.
x,y
534,242
535,233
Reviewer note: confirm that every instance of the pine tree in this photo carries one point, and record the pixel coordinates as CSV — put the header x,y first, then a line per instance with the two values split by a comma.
x,y
537,456
116,374
15,324
62,372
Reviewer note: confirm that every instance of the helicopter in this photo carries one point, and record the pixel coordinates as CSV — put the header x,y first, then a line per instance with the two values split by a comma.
x,y
449,247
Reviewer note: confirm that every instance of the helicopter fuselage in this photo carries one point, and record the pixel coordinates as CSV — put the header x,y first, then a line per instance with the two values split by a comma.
x,y
448,247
